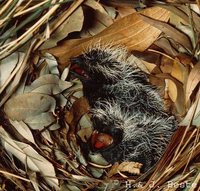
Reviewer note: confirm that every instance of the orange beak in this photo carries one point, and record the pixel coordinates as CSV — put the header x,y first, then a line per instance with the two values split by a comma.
x,y
100,140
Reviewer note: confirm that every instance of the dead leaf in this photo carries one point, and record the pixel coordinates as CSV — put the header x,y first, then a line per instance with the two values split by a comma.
x,y
23,129
30,104
72,24
125,11
48,84
166,65
7,65
39,122
195,16
179,71
95,5
97,158
111,11
193,113
52,64
33,178
99,22
170,31
193,81
96,172
78,109
77,150
130,31
130,167
86,128
165,44
176,92
29,157
85,134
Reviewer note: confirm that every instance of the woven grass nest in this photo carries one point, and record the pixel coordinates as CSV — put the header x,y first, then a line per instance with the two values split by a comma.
x,y
44,116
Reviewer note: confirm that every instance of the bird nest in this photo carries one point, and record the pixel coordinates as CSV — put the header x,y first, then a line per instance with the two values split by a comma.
x,y
44,118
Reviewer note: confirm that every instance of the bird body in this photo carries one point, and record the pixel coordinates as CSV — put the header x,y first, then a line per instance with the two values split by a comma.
x,y
125,105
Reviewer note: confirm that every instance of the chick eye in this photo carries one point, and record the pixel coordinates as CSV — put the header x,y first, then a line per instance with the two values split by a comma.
x,y
117,134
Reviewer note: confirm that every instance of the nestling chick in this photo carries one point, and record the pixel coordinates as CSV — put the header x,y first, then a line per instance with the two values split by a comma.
x,y
125,106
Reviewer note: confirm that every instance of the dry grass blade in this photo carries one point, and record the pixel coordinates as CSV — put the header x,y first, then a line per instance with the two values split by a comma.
x,y
60,20
9,47
25,10
14,175
13,45
46,134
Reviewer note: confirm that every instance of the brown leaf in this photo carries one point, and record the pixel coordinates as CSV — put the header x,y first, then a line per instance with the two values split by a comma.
x,y
78,109
176,92
130,31
193,81
179,71
95,5
166,65
165,44
130,167
172,32
125,10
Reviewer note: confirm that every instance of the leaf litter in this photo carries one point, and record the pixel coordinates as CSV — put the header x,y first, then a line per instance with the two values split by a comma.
x,y
44,117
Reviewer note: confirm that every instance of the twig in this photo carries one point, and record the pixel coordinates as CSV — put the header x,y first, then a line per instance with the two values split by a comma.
x,y
14,175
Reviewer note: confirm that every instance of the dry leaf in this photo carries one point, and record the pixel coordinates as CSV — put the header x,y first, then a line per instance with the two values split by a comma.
x,y
96,172
100,19
15,77
69,187
33,178
176,92
99,22
170,31
41,121
28,156
95,5
111,11
48,84
7,65
23,129
52,64
78,109
130,31
193,81
72,24
28,105
165,44
125,11
85,134
97,158
166,65
194,112
86,128
179,71
77,150
130,167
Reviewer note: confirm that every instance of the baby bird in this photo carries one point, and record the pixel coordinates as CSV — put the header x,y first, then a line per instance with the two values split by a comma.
x,y
125,106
